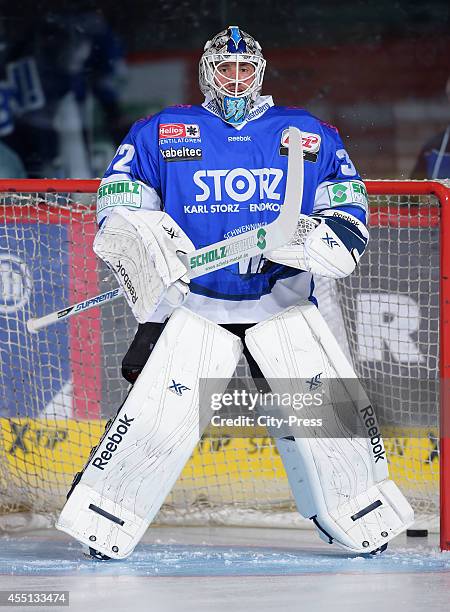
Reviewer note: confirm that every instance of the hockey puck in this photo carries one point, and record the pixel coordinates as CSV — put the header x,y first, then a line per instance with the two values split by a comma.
x,y
417,533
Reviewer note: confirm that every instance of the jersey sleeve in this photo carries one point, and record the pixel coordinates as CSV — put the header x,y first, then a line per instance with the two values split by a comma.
x,y
132,179
340,186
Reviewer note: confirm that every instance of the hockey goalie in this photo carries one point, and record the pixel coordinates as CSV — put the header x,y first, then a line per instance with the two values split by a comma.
x,y
192,176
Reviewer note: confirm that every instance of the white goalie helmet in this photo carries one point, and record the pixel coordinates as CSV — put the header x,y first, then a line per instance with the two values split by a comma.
x,y
231,71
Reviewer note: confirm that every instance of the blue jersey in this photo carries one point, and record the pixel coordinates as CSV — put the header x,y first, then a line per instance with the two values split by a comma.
x,y
217,181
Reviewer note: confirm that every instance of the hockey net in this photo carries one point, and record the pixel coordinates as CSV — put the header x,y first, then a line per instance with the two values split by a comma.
x,y
58,387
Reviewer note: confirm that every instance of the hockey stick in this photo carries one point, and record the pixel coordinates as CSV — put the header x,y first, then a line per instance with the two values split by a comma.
x,y
225,252
34,325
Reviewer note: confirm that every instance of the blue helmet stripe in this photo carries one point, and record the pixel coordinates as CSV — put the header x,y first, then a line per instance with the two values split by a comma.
x,y
236,44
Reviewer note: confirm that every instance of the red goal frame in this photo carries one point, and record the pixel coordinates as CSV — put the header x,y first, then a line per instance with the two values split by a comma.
x,y
439,215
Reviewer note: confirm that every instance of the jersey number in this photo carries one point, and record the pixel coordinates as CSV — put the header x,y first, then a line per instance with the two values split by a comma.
x,y
347,169
127,152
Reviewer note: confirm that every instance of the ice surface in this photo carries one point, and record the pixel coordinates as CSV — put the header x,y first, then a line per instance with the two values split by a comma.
x,y
26,556
218,569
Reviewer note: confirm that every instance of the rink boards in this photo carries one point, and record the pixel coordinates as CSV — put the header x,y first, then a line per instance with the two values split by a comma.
x,y
42,456
46,264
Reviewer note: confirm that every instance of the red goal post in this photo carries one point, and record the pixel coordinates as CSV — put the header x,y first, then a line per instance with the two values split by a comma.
x,y
439,217
386,210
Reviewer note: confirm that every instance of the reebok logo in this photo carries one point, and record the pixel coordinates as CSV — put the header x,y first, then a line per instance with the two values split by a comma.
x,y
127,282
239,138
113,442
345,217
370,422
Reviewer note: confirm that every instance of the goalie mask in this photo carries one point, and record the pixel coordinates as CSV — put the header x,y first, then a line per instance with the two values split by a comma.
x,y
231,71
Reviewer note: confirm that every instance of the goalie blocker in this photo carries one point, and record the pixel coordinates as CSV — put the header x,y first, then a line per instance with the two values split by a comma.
x,y
145,447
339,481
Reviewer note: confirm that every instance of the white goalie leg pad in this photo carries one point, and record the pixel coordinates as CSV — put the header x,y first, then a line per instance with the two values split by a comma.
x,y
141,247
144,449
341,483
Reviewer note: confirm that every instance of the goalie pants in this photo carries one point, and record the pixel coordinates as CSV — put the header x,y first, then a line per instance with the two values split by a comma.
x,y
147,335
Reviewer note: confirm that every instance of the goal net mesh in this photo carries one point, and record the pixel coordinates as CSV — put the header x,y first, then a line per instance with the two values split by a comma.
x,y
59,386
